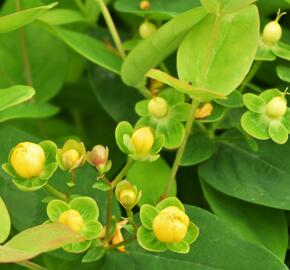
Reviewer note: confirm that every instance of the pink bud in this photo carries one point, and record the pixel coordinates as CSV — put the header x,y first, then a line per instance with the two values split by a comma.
x,y
99,156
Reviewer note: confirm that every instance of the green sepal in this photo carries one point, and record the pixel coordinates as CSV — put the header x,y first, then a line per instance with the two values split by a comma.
x,y
48,171
283,73
256,125
286,120
147,215
192,233
269,94
179,247
102,185
264,52
78,247
122,129
141,107
7,167
282,50
173,132
55,208
128,144
87,207
158,144
254,103
170,201
172,96
31,184
147,240
144,158
49,149
278,132
94,254
180,111
91,229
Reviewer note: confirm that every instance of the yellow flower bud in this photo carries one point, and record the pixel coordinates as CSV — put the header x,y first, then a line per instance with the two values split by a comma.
x,y
143,140
28,159
158,107
71,159
204,111
146,29
72,219
170,225
144,4
277,107
127,198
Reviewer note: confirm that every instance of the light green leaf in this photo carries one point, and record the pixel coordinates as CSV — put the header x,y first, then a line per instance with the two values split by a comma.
x,y
283,73
5,224
151,178
208,54
257,224
282,50
234,100
157,47
62,16
94,254
18,19
90,48
14,95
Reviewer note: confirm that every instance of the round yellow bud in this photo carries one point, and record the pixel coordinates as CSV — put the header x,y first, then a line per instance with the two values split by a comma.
x,y
70,159
272,32
158,107
277,107
143,140
72,219
127,198
146,29
170,225
144,4
28,159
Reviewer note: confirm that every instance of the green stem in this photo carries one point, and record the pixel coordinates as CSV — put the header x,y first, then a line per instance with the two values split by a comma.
x,y
112,28
56,193
31,265
250,76
179,154
110,194
144,91
131,218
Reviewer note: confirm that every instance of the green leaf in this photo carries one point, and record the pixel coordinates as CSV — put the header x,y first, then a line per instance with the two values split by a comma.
x,y
14,95
234,100
90,48
256,125
199,147
159,9
257,224
62,16
41,239
231,172
170,201
94,254
282,50
278,132
5,224
208,54
87,207
254,103
157,47
283,73
29,110
264,52
151,178
147,240
18,19
147,215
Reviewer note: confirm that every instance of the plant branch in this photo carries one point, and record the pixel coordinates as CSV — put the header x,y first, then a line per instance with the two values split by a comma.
x,y
112,28
31,265
254,69
123,172
179,154
56,193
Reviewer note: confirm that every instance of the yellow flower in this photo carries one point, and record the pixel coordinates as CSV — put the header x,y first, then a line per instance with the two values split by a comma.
x,y
158,107
170,225
72,219
28,159
143,140
71,159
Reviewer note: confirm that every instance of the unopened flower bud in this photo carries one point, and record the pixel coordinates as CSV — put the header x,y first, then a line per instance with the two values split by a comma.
x,y
170,225
144,4
98,156
276,107
143,140
204,111
28,159
72,219
146,29
158,107
70,158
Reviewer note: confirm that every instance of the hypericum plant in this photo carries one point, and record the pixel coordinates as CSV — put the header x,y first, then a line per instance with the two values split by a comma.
x,y
184,86
31,165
